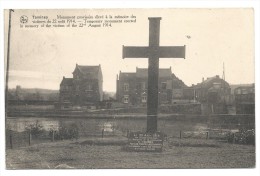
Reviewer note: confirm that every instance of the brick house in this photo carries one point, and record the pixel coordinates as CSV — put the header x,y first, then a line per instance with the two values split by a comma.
x,y
214,94
85,88
213,90
245,99
131,88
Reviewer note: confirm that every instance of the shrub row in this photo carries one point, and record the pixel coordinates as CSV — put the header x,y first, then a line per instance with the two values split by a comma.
x,y
244,136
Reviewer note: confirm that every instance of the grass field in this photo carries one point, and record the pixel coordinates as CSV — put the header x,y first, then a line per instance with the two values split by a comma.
x,y
91,153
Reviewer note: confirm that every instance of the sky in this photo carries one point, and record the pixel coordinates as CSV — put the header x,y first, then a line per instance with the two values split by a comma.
x,y
39,58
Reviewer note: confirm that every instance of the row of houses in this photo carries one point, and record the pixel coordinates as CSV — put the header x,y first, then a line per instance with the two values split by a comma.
x,y
132,88
85,88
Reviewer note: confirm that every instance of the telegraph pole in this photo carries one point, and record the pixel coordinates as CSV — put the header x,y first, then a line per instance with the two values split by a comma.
x,y
7,60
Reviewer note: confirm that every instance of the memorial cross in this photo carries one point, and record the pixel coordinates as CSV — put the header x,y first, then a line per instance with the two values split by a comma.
x,y
154,51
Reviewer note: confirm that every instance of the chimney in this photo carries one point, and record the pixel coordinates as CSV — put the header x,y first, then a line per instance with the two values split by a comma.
x,y
202,79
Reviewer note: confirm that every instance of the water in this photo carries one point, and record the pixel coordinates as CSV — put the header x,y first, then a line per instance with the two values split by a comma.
x,y
84,125
93,126
20,124
171,125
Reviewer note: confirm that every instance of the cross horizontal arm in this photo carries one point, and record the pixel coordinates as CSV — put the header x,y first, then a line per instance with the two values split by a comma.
x,y
172,52
135,52
160,51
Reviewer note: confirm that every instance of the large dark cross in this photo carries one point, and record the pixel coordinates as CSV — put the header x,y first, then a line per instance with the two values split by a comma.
x,y
154,51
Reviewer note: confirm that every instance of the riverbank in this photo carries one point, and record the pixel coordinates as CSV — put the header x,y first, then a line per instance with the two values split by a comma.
x,y
130,111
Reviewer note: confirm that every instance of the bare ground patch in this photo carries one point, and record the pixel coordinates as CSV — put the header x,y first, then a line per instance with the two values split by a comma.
x,y
108,153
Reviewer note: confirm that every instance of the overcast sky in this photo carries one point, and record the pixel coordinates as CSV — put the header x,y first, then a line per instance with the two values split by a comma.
x,y
39,58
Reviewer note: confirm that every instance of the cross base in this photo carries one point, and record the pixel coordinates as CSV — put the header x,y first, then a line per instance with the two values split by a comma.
x,y
145,142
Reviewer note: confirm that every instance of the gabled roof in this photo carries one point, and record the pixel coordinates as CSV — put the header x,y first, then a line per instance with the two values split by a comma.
x,y
89,71
249,86
127,75
67,81
209,82
235,86
177,83
163,72
143,73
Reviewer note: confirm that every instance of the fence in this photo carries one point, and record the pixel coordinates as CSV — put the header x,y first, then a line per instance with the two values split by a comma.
x,y
23,139
175,126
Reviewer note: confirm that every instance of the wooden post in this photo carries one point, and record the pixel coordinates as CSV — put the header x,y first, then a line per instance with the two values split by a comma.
x,y
52,136
102,132
30,137
180,134
11,140
207,133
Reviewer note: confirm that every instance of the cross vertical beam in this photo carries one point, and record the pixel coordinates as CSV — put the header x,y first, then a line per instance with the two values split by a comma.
x,y
153,74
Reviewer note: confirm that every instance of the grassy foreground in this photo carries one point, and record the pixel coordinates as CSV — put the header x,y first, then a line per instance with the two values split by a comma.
x,y
91,153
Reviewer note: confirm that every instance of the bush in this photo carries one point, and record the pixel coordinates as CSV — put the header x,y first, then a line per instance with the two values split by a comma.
x,y
244,136
63,132
35,129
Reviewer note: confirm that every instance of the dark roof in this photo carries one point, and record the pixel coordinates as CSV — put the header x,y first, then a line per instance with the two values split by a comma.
x,y
235,86
246,87
89,71
126,75
177,83
213,89
143,73
209,81
163,72
67,81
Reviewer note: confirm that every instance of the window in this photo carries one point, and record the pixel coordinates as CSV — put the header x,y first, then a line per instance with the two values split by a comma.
x,y
143,85
144,98
126,98
164,85
89,87
77,87
126,87
244,91
88,94
238,91
76,76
